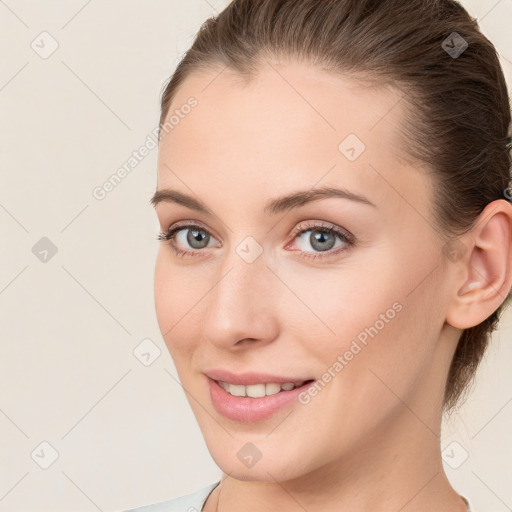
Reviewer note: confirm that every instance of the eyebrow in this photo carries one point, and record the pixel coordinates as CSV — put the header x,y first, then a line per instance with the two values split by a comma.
x,y
273,207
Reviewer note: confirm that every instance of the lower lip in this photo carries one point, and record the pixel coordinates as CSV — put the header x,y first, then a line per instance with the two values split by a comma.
x,y
247,409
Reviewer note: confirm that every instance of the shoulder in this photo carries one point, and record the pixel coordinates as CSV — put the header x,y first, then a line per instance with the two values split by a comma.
x,y
188,503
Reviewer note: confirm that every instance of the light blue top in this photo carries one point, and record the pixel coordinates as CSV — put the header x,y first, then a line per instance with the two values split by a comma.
x,y
194,502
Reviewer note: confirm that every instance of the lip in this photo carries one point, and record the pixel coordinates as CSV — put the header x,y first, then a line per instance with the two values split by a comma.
x,y
249,378
249,410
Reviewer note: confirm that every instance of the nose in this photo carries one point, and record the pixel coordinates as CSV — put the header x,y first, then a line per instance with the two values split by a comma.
x,y
242,305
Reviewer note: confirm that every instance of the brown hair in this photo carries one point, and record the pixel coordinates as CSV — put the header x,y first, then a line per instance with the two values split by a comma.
x,y
458,106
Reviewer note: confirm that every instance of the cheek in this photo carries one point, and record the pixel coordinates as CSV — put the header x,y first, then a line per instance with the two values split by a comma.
x,y
341,303
385,359
178,311
371,325
169,299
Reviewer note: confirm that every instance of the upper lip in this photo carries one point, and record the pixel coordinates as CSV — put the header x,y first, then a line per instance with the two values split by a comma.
x,y
249,378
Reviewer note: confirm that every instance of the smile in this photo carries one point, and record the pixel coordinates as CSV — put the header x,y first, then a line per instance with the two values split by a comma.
x,y
254,404
259,390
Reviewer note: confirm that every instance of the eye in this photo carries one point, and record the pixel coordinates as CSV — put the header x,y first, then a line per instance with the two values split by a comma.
x,y
196,236
322,238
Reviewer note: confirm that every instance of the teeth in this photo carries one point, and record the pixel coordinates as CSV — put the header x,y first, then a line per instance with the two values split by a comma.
x,y
270,389
258,390
236,390
255,390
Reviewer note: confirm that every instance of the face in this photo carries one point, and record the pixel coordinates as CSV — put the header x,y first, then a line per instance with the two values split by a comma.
x,y
345,292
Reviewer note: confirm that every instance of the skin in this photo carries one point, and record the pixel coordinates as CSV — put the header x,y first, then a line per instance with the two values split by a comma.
x,y
369,441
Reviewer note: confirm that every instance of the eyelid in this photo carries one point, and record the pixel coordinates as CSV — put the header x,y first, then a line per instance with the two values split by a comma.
x,y
327,226
182,224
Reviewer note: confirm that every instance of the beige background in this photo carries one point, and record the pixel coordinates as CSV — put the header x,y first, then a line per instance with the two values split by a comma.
x,y
123,432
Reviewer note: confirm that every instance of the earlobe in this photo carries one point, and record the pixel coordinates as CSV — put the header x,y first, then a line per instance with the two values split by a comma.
x,y
487,276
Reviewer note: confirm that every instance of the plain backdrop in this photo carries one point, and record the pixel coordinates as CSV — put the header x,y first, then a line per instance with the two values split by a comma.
x,y
87,421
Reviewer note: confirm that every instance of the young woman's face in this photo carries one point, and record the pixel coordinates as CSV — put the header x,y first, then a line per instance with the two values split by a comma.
x,y
269,290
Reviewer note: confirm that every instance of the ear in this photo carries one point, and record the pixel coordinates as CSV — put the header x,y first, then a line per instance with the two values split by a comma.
x,y
482,275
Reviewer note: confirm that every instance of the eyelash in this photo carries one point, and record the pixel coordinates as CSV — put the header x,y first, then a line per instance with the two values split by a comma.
x,y
345,237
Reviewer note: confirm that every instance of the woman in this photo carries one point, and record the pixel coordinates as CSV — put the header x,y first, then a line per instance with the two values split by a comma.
x,y
376,128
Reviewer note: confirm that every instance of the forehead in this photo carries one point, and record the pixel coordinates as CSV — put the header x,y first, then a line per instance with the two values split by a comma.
x,y
291,124
287,101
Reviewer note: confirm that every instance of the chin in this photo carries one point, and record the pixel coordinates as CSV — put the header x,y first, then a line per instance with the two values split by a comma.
x,y
271,466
